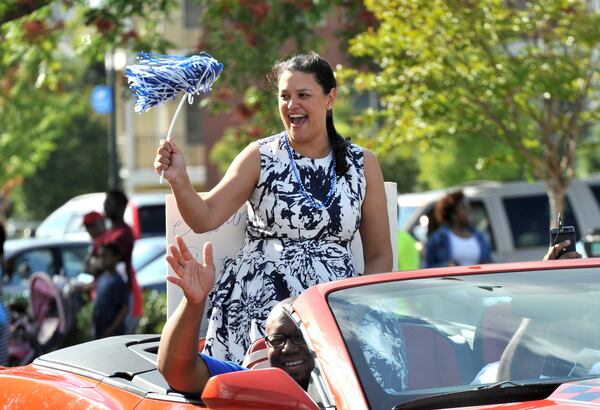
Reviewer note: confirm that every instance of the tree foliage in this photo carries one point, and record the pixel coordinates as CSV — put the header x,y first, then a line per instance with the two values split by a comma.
x,y
522,74
82,150
46,51
249,37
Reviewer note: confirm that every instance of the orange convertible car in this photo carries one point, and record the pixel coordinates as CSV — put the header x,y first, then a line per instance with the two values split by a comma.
x,y
512,336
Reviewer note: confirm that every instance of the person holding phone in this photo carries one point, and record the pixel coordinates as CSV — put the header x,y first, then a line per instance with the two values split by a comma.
x,y
555,251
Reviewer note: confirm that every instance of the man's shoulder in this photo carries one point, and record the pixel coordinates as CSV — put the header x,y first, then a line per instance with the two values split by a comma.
x,y
116,233
113,280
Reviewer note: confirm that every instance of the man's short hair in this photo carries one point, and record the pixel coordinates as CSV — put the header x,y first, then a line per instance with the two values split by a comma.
x,y
283,307
118,196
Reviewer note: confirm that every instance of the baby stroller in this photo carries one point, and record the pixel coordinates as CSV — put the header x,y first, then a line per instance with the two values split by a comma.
x,y
50,318
50,308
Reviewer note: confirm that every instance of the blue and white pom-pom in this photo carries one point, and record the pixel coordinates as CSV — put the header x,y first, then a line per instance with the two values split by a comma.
x,y
159,78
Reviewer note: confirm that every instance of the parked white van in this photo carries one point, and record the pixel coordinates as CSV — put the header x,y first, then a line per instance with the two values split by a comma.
x,y
513,216
145,213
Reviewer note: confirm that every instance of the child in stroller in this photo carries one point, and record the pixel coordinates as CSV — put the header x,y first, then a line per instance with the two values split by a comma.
x,y
42,329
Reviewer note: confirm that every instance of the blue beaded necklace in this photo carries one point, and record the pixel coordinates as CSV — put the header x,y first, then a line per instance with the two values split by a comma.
x,y
313,202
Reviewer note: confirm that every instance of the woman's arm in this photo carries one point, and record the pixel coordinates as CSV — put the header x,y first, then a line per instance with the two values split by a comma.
x,y
374,225
210,210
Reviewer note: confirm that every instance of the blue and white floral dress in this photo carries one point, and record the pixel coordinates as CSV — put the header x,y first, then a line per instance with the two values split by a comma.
x,y
290,245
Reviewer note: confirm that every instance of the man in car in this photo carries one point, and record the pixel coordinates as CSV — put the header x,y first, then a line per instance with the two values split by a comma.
x,y
178,359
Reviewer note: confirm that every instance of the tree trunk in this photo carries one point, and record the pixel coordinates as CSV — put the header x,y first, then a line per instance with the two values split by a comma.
x,y
557,191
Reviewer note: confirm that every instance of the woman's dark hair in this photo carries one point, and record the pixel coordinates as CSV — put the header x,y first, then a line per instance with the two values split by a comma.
x,y
446,207
312,63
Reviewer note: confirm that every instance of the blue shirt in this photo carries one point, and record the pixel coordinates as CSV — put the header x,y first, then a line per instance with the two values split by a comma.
x,y
111,295
216,366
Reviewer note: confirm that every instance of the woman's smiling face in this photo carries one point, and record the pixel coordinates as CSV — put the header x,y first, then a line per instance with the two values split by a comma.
x,y
303,106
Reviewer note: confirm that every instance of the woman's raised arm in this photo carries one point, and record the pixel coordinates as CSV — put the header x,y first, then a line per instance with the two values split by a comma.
x,y
209,210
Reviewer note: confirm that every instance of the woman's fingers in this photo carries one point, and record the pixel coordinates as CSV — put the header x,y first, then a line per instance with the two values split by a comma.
x,y
176,281
162,160
571,255
183,249
555,250
207,254
175,265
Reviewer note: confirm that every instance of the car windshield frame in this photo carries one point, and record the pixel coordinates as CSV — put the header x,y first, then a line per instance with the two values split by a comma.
x,y
450,313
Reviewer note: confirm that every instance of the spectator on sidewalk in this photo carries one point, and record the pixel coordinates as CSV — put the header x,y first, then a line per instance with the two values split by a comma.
x,y
112,300
455,242
122,234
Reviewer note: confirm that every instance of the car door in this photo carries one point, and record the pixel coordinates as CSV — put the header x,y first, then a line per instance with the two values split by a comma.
x,y
72,259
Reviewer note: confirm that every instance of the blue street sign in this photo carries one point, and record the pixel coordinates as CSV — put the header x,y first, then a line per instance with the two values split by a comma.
x,y
101,99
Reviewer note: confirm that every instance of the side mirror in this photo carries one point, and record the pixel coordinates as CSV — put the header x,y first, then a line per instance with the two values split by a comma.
x,y
270,388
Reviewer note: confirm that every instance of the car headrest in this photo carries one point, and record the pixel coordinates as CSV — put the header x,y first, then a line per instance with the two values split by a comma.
x,y
256,357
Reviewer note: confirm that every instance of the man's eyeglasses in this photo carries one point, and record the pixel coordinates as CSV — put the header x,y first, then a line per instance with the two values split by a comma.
x,y
277,341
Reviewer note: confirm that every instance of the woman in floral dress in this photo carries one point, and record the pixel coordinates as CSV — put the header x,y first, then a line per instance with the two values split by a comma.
x,y
309,191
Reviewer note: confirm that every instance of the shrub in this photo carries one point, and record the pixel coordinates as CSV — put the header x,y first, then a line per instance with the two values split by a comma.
x,y
155,312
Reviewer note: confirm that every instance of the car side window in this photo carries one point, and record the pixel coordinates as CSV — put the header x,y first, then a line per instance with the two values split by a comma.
x,y
596,192
152,220
27,263
529,219
481,221
73,260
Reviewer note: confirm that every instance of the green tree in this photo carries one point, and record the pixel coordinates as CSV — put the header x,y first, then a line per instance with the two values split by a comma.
x,y
249,37
76,166
523,74
46,49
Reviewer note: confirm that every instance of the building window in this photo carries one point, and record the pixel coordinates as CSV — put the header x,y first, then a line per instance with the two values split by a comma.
x,y
191,14
193,122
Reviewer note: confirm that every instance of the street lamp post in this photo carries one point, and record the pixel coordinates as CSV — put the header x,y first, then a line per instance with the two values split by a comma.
x,y
114,61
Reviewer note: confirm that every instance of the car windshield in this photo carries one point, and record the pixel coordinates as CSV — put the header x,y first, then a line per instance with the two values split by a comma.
x,y
416,338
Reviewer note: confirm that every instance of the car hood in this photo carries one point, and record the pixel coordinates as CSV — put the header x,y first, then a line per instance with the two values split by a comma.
x,y
584,394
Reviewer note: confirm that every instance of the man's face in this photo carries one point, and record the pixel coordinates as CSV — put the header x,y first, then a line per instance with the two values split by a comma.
x,y
108,259
294,359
